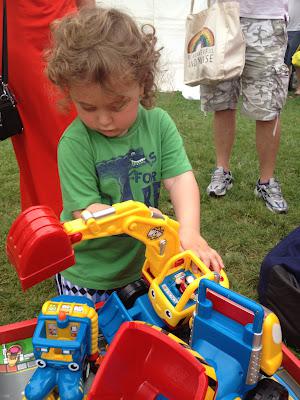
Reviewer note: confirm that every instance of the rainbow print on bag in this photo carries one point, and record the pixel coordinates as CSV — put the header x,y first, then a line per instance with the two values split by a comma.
x,y
204,38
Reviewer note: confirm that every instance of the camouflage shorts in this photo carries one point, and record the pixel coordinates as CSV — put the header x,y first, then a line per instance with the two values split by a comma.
x,y
264,82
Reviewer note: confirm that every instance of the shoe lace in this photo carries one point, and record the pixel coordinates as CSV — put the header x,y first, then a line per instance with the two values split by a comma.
x,y
218,176
274,190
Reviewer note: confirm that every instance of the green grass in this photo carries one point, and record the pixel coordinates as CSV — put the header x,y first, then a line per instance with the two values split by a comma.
x,y
238,226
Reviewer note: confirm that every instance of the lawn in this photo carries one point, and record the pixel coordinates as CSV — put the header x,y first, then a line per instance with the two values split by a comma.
x,y
239,226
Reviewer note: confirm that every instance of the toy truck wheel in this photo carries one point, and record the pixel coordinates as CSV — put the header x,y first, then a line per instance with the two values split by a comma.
x,y
86,370
132,291
268,389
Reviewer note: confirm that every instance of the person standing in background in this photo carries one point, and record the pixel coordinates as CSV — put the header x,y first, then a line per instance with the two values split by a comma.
x,y
36,148
293,38
263,85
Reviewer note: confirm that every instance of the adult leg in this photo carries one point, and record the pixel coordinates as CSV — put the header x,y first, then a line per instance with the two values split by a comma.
x,y
224,134
264,86
222,100
267,145
297,70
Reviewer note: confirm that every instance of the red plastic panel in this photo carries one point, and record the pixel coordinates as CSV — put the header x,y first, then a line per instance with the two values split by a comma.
x,y
17,331
291,363
143,362
38,246
230,309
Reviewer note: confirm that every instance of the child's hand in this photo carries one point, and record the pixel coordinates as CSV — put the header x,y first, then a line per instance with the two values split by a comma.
x,y
190,239
97,207
91,208
156,212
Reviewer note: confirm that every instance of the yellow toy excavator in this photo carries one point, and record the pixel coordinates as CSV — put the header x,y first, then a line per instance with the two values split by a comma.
x,y
39,246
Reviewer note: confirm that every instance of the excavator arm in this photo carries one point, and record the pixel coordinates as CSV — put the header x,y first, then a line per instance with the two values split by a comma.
x,y
39,245
158,232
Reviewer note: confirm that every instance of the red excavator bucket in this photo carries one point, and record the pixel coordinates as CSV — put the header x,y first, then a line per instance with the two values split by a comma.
x,y
38,246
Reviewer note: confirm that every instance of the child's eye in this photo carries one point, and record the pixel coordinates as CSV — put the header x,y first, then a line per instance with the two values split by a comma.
x,y
89,109
118,107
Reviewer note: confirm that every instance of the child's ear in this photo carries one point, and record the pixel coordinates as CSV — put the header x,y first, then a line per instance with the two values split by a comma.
x,y
142,90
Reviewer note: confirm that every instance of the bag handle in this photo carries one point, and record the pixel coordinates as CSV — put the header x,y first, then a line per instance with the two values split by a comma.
x,y
193,2
4,47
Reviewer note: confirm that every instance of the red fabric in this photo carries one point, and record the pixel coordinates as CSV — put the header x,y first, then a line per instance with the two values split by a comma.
x,y
36,148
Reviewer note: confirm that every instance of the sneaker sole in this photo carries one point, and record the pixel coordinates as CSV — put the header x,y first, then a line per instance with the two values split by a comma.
x,y
221,194
273,210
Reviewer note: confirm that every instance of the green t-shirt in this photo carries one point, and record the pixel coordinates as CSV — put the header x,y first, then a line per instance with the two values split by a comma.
x,y
94,168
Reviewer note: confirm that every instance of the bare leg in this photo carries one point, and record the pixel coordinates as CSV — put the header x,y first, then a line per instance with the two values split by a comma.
x,y
267,145
224,134
297,69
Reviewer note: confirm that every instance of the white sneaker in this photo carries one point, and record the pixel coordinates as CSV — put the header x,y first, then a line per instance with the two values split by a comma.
x,y
221,181
271,194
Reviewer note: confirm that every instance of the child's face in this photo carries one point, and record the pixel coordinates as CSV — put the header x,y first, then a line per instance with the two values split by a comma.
x,y
108,113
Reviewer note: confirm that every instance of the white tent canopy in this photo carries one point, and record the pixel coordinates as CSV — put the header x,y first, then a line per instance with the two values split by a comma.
x,y
168,18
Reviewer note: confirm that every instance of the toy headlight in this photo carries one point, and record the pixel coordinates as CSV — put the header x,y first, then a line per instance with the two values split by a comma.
x,y
73,367
41,363
66,352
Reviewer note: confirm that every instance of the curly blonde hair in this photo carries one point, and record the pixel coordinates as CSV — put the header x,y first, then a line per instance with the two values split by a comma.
x,y
106,46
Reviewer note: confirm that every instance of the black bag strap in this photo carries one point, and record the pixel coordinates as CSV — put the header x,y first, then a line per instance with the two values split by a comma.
x,y
4,47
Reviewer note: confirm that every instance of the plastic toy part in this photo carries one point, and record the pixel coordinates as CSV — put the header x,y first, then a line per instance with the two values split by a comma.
x,y
114,313
271,357
17,331
228,316
158,232
16,358
268,389
64,341
51,396
166,304
234,331
291,363
162,368
37,246
173,293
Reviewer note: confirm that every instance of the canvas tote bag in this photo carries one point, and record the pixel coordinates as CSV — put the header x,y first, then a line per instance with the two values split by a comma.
x,y
214,44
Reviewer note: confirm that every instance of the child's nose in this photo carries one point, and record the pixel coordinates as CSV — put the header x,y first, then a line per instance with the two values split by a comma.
x,y
104,118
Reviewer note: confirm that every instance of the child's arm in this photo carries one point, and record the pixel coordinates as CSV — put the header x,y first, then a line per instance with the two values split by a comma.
x,y
92,208
185,197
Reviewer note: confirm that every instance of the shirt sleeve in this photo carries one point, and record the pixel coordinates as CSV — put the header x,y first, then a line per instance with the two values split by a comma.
x,y
78,177
174,158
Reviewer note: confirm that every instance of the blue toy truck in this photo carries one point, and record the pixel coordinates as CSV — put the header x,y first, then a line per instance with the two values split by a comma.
x,y
65,341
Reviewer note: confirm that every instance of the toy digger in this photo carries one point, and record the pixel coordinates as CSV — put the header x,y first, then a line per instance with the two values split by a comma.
x,y
39,246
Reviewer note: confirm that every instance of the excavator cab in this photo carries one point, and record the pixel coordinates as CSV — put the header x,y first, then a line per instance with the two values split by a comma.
x,y
173,293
